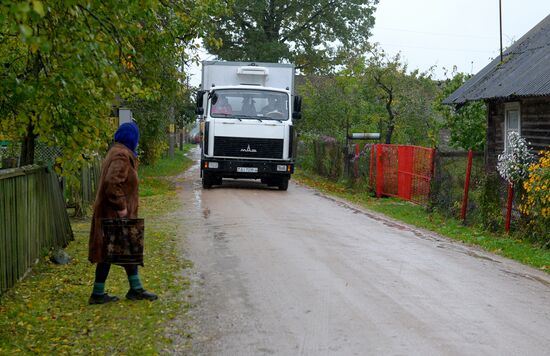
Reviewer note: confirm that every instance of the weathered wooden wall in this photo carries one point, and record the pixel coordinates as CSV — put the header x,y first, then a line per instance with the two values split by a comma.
x,y
33,219
535,126
535,122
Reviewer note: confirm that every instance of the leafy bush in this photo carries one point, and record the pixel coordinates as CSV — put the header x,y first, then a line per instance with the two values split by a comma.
x,y
468,123
536,199
329,158
305,157
490,204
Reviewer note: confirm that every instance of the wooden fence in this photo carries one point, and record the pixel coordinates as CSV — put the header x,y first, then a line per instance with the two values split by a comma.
x,y
84,195
34,219
89,178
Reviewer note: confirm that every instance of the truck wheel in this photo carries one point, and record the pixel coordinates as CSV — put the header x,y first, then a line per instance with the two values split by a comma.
x,y
283,184
206,181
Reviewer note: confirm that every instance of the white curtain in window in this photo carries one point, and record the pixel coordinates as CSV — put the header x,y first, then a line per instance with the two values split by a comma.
x,y
512,121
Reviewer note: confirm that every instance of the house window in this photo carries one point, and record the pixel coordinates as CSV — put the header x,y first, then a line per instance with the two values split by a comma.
x,y
512,121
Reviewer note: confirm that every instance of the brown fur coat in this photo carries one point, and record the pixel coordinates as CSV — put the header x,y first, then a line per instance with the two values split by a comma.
x,y
117,190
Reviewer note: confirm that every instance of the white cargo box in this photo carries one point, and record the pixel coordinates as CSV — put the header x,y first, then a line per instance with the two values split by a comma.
x,y
274,75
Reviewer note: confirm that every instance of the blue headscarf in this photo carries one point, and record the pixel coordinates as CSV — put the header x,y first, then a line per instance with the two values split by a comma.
x,y
128,135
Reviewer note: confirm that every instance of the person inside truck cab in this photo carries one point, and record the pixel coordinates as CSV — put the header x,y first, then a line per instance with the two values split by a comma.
x,y
222,106
272,105
276,107
249,106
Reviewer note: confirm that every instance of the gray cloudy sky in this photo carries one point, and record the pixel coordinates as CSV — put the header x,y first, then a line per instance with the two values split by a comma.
x,y
445,33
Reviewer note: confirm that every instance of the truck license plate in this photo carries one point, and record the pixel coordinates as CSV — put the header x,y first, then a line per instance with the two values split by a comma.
x,y
247,169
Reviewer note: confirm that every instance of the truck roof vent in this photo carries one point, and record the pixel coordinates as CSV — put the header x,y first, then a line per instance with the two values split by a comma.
x,y
252,75
252,70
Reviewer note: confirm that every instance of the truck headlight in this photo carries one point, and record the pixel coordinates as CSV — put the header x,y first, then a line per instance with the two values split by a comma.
x,y
213,165
281,168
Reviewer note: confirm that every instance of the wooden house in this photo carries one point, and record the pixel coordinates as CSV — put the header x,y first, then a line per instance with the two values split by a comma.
x,y
516,91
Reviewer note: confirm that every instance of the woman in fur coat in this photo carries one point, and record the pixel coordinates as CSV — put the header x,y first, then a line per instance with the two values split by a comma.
x,y
117,197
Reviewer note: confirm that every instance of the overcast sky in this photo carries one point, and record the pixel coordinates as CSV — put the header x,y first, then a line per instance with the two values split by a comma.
x,y
445,33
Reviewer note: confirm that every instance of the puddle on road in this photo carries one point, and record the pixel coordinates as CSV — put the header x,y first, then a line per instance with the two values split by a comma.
x,y
198,199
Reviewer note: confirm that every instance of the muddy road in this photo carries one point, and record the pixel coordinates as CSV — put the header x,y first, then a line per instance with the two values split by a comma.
x,y
298,273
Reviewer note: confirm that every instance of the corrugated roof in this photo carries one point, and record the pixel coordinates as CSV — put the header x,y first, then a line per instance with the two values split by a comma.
x,y
525,71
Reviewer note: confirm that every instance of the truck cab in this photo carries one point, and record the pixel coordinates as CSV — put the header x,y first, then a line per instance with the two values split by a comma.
x,y
246,113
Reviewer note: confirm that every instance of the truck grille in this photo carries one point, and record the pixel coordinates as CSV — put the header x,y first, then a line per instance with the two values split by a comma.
x,y
248,147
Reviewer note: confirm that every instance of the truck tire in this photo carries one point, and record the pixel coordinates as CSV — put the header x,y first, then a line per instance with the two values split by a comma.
x,y
206,181
283,183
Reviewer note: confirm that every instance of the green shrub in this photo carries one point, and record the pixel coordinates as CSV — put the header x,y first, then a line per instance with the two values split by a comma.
x,y
536,201
490,203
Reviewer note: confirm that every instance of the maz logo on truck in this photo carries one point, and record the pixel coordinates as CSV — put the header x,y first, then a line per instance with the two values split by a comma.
x,y
248,150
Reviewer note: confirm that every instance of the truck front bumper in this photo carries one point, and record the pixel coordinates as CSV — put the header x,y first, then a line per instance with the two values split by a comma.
x,y
234,168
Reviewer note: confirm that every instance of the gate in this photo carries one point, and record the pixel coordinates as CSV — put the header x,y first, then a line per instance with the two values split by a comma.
x,y
404,171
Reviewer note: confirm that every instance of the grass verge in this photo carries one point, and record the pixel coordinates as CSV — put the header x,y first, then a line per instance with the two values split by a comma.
x,y
504,245
47,312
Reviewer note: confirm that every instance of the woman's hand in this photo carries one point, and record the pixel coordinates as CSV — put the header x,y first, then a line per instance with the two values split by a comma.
x,y
122,213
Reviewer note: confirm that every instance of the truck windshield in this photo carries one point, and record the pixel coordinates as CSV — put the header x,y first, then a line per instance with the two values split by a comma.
x,y
249,104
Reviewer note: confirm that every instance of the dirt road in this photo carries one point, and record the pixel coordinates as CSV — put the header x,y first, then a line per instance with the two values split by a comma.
x,y
297,273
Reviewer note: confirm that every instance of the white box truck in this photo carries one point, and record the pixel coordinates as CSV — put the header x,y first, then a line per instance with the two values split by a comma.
x,y
246,112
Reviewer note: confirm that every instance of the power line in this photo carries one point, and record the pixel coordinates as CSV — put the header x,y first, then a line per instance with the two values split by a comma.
x,y
432,33
438,48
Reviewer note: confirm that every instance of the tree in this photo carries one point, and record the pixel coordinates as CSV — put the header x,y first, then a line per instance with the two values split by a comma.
x,y
467,123
162,49
386,78
59,75
374,94
405,97
325,106
311,34
334,105
64,65
185,113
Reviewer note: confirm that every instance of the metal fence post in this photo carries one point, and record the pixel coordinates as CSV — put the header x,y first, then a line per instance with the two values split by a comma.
x,y
356,162
371,167
379,171
466,186
509,207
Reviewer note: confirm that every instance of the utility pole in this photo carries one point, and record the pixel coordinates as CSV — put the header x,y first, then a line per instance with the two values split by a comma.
x,y
500,20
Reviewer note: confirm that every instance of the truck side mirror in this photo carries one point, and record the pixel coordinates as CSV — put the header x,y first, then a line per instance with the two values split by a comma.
x,y
297,108
199,110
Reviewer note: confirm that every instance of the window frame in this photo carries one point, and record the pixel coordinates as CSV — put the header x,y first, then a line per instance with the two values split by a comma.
x,y
253,90
511,106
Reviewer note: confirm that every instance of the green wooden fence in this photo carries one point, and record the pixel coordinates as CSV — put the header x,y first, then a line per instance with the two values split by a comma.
x,y
33,219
